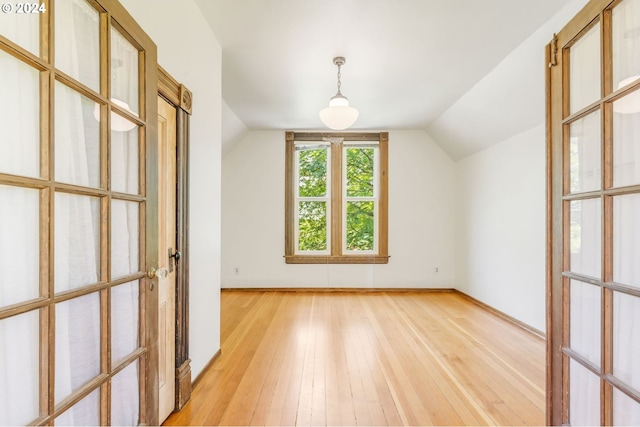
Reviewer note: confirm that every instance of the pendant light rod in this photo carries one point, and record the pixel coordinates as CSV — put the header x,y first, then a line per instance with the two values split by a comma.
x,y
338,115
339,61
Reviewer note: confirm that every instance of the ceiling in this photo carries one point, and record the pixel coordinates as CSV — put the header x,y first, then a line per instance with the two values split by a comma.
x,y
407,61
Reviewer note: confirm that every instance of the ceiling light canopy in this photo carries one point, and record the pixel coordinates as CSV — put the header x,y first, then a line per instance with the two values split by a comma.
x,y
338,115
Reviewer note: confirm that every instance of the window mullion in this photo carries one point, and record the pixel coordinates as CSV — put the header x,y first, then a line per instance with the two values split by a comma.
x,y
336,199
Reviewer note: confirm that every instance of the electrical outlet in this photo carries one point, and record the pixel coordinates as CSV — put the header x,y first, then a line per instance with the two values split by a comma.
x,y
436,269
237,270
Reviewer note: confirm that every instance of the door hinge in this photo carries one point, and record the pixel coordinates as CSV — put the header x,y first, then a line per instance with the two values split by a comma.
x,y
554,51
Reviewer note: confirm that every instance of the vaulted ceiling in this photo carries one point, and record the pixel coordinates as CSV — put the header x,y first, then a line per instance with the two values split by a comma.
x,y
408,62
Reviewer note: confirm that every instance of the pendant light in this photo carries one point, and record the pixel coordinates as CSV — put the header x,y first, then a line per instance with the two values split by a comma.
x,y
338,115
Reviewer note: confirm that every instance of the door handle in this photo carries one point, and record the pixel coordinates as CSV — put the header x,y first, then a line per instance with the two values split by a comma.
x,y
173,257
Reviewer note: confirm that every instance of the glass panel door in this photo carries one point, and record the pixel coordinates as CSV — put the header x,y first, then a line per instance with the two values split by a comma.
x,y
594,242
75,196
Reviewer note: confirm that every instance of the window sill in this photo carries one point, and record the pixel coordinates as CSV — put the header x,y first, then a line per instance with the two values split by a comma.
x,y
340,259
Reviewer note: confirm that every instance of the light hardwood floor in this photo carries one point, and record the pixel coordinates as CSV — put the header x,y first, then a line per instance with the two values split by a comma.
x,y
354,358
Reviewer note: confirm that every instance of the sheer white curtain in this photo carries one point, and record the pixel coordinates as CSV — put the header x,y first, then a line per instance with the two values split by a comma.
x,y
22,29
77,230
125,217
77,217
19,233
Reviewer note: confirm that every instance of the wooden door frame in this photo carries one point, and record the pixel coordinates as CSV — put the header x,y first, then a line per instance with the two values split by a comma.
x,y
181,98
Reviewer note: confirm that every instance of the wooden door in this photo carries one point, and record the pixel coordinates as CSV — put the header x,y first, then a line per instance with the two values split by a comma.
x,y
168,254
78,314
594,217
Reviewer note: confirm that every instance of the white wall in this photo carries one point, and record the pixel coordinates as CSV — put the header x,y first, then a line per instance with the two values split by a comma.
x,y
500,227
189,51
421,218
508,100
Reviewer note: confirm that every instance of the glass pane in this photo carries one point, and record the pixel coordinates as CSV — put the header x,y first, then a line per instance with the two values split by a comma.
x,y
124,157
626,133
77,241
585,239
125,238
124,321
360,226
585,154
19,260
20,376
125,397
312,172
584,396
585,320
77,344
124,72
626,239
626,411
84,413
584,70
626,338
360,165
77,138
312,226
22,28
19,117
626,42
78,30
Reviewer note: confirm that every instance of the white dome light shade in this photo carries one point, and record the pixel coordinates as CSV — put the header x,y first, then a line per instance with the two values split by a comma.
x,y
118,123
338,118
338,115
629,104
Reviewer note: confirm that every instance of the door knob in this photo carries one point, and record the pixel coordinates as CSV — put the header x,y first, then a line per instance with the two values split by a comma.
x,y
160,273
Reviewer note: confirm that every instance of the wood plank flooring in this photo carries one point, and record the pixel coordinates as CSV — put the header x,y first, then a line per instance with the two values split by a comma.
x,y
378,358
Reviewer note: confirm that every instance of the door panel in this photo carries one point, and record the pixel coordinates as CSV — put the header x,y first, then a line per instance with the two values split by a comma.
x,y
167,246
78,315
594,217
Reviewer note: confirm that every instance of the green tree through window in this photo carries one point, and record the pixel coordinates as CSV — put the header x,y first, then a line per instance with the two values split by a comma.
x,y
360,189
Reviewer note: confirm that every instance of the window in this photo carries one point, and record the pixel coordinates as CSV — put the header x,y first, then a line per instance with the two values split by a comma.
x,y
336,198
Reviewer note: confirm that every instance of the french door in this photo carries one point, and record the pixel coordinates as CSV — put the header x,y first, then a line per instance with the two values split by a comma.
x,y
78,314
594,217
